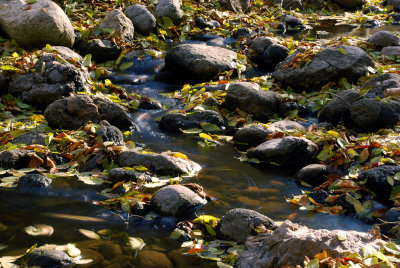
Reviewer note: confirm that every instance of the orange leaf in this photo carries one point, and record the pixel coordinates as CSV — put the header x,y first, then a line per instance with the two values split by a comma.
x,y
36,161
292,216
321,256
195,250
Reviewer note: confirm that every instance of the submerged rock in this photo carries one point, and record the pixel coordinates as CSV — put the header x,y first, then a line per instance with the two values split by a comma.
x,y
49,258
377,180
384,39
240,223
31,27
176,200
33,181
289,150
16,159
117,20
328,65
290,242
142,19
153,259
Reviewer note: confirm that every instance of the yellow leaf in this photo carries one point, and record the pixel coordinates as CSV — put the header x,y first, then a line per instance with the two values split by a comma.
x,y
321,256
180,155
37,118
205,136
333,133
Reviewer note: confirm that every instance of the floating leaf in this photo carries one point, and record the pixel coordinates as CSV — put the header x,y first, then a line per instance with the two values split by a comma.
x,y
83,261
176,234
136,243
90,234
333,134
73,251
39,229
205,136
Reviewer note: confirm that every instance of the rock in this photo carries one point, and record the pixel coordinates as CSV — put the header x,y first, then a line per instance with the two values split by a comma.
x,y
67,53
384,39
251,99
372,114
117,20
122,174
292,23
371,23
162,164
379,84
394,3
239,223
314,174
328,65
287,109
171,9
203,23
3,84
290,4
176,200
289,150
338,109
273,55
111,251
75,111
199,62
34,28
49,258
101,50
286,126
377,180
57,80
111,133
391,215
31,138
33,181
16,159
350,4
260,44
153,259
391,51
182,261
290,242
237,6
394,18
244,33
142,19
372,9
174,122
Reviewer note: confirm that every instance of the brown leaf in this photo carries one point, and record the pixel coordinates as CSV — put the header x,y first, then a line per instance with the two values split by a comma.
x,y
292,216
304,201
364,155
36,161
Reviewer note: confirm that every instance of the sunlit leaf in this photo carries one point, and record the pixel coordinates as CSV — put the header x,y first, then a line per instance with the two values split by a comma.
x,y
90,234
39,230
136,243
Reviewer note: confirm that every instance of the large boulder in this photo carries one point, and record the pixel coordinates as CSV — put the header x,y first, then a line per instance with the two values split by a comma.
x,y
289,150
170,9
75,111
163,164
384,39
237,6
350,4
240,223
44,22
175,122
377,180
53,80
328,65
176,200
252,99
376,87
199,62
117,20
290,243
142,19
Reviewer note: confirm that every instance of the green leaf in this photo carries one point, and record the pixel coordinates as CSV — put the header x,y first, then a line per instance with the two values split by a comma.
x,y
210,230
87,60
312,264
141,168
167,22
342,50
125,65
395,192
48,48
49,138
210,127
356,203
326,153
10,68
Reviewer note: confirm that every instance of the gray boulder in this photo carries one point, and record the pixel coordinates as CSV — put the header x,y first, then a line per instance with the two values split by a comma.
x,y
350,4
269,52
377,86
101,50
289,150
260,44
199,62
237,6
377,180
162,164
391,51
16,159
328,65
239,223
29,138
67,53
338,109
174,122
122,174
384,39
250,98
110,133
117,20
314,174
33,181
43,23
176,200
75,111
290,243
171,9
49,258
142,19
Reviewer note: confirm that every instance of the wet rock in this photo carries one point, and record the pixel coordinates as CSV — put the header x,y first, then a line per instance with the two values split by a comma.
x,y
328,65
391,51
176,200
394,3
171,9
377,180
325,126
199,62
122,174
16,159
290,4
338,109
372,114
33,181
350,4
379,84
292,23
237,6
319,196
239,223
153,259
211,102
243,33
31,138
286,151
174,122
384,39
117,20
203,23
101,50
162,164
313,174
111,251
34,28
290,242
75,111
142,19
251,99
111,133
49,258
